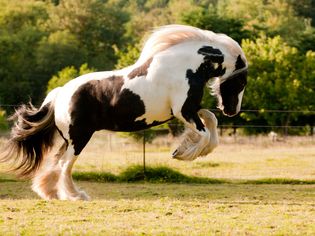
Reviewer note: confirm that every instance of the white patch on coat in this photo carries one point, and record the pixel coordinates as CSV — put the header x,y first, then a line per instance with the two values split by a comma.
x,y
51,96
240,97
214,87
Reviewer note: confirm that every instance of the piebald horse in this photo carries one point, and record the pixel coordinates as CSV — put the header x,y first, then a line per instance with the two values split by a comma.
x,y
167,81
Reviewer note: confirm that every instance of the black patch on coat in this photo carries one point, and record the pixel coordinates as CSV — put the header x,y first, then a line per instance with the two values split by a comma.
x,y
141,70
197,81
230,90
239,63
213,54
101,104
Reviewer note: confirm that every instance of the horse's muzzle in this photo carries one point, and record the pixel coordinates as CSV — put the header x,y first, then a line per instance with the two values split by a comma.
x,y
229,113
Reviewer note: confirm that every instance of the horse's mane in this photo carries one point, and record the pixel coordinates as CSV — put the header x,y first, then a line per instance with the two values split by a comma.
x,y
167,36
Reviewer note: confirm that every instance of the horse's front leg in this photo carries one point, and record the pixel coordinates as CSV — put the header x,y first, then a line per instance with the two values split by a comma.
x,y
196,139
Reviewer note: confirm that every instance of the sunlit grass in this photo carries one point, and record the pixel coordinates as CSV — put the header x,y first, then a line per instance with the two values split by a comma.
x,y
262,188
162,209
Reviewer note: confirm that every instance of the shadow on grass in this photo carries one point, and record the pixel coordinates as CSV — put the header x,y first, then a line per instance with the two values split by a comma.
x,y
278,181
151,174
167,175
162,174
7,178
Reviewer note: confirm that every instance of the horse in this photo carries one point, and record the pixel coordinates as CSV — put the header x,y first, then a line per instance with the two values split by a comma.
x,y
167,81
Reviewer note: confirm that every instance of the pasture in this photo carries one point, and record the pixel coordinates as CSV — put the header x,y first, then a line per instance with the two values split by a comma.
x,y
240,205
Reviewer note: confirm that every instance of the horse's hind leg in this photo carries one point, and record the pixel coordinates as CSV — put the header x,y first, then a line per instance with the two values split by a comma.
x,y
66,189
46,178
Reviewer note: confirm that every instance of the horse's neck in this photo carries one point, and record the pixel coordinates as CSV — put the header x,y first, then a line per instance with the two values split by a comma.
x,y
172,62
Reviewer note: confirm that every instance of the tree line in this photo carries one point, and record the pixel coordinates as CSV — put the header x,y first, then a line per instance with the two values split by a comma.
x,y
45,43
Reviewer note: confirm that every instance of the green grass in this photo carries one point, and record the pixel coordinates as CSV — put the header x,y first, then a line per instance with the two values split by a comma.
x,y
248,187
165,174
279,181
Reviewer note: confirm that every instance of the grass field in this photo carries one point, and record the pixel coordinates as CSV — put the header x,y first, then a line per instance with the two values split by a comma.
x,y
233,208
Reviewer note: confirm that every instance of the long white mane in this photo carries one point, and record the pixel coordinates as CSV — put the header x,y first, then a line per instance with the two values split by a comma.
x,y
167,36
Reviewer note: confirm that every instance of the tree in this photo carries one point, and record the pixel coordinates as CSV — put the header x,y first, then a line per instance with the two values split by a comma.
x,y
39,38
280,78
128,56
306,40
145,15
269,17
305,8
67,74
60,49
96,25
21,28
209,19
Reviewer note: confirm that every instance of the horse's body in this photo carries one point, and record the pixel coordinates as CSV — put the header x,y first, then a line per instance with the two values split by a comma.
x,y
166,82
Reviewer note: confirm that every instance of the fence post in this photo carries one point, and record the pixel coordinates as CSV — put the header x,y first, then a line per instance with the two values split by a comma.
x,y
144,141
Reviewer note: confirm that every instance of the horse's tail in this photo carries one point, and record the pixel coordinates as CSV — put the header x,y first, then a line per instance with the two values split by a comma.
x,y
32,136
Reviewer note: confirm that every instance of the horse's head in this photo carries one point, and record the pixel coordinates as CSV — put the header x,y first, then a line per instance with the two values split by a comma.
x,y
230,73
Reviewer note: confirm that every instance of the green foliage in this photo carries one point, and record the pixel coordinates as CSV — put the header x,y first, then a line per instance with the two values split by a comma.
x,y
305,8
211,20
145,15
306,41
280,78
60,49
20,32
3,120
96,25
38,39
271,17
66,75
128,56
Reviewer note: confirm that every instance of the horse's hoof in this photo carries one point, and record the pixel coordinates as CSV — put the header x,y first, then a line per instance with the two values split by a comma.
x,y
84,196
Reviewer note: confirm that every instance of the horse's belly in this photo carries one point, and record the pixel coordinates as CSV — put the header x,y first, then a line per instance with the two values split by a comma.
x,y
127,122
135,126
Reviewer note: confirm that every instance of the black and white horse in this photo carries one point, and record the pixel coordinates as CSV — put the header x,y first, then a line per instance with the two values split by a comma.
x,y
167,81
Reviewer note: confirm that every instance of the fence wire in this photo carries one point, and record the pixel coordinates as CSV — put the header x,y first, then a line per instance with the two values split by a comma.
x,y
231,126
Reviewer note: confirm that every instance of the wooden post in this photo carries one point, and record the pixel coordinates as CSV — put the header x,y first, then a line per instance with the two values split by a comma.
x,y
144,141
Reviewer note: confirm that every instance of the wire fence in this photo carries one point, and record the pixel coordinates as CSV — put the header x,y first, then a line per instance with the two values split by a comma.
x,y
235,126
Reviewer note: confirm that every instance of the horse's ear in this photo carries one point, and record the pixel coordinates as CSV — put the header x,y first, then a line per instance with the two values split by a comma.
x,y
213,54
